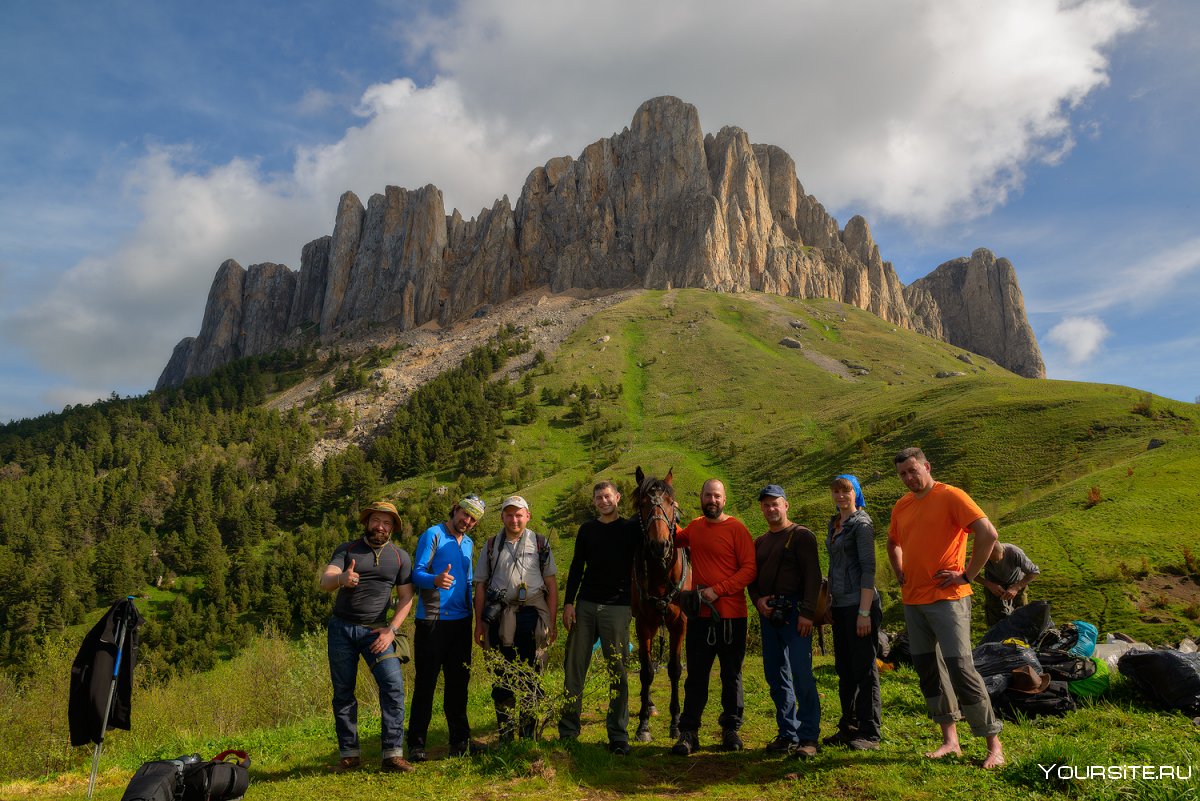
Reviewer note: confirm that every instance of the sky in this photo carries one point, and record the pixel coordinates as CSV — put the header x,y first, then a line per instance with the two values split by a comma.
x,y
143,143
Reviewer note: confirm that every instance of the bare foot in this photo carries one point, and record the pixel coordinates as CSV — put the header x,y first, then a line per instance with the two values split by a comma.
x,y
994,759
945,750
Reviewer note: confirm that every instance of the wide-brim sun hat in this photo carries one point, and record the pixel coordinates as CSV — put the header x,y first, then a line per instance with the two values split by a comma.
x,y
379,506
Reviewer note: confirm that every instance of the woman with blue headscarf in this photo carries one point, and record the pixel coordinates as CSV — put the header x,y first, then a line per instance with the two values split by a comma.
x,y
856,616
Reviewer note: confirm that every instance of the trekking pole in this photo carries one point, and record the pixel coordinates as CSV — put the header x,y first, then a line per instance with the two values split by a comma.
x,y
122,627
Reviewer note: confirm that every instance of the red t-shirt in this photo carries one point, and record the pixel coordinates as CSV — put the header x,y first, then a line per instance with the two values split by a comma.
x,y
932,533
722,558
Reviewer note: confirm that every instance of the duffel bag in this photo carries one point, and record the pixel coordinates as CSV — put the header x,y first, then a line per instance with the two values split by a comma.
x,y
220,779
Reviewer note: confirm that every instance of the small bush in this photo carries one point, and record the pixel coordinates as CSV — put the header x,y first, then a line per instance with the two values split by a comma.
x,y
1093,497
1144,406
1191,562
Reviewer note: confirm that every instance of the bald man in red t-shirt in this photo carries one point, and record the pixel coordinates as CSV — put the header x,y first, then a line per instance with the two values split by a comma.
x,y
723,564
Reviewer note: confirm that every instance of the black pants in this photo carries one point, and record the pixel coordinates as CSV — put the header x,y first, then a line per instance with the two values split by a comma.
x,y
858,675
724,641
441,647
504,690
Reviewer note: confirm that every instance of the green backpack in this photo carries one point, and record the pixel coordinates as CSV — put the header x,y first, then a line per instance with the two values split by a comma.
x,y
1094,685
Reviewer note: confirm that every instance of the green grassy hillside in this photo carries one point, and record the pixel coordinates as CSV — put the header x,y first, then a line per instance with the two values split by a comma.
x,y
707,389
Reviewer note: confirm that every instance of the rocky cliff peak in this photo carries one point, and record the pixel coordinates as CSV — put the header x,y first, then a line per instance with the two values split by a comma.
x,y
658,205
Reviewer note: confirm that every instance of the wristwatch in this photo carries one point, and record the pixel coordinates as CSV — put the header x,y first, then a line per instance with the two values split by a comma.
x,y
395,630
864,612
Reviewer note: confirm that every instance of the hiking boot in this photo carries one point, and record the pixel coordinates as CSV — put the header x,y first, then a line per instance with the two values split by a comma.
x,y
805,751
620,749
841,737
348,763
417,754
730,741
687,744
469,748
396,765
863,744
782,745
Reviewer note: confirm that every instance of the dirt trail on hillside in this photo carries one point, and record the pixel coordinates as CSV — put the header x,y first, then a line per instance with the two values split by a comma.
x,y
547,318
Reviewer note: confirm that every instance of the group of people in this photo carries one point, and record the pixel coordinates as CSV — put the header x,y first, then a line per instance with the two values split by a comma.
x,y
504,596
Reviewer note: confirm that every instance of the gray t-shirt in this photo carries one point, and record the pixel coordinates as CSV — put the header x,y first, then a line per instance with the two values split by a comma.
x,y
379,571
1011,568
503,565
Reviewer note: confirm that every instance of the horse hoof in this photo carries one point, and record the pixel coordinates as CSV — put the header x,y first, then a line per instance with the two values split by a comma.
x,y
643,737
653,711
674,732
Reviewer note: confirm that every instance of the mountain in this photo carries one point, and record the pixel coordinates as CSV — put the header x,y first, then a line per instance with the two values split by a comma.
x,y
658,205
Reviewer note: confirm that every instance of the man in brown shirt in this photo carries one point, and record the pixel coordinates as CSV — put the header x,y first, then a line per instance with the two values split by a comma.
x,y
785,594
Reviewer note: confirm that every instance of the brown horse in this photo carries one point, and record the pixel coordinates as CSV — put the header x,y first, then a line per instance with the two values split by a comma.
x,y
660,572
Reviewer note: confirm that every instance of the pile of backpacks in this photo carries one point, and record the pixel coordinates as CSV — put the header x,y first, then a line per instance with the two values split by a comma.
x,y
1032,667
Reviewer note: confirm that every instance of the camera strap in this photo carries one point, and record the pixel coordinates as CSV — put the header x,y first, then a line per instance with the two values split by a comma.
x,y
787,546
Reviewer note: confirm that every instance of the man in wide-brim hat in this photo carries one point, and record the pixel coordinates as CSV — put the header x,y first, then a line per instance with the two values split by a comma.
x,y
364,573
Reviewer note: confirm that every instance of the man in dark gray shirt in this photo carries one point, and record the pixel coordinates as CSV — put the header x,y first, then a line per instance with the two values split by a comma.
x,y
364,573
1005,576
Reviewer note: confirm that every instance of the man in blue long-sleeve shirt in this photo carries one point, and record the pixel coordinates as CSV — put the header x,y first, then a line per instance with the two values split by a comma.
x,y
442,572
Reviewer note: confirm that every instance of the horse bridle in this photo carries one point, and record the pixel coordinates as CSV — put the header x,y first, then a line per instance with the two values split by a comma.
x,y
657,502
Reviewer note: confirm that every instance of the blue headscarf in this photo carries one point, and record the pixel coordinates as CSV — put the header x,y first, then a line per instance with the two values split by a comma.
x,y
858,496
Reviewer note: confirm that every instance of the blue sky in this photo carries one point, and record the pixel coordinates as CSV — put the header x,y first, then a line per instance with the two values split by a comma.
x,y
141,144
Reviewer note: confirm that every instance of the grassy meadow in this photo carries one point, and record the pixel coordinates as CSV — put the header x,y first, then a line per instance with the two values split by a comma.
x,y
272,701
698,382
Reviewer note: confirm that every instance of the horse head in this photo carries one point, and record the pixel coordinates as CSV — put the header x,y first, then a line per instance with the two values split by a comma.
x,y
654,499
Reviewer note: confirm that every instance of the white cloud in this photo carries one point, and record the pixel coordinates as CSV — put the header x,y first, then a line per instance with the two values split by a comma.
x,y
316,101
1150,279
1079,338
415,136
927,112
113,318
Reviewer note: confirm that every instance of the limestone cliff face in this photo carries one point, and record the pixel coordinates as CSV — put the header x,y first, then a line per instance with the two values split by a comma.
x,y
658,205
976,304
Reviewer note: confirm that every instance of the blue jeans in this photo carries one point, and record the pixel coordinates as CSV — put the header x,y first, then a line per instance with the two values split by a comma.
x,y
787,665
347,642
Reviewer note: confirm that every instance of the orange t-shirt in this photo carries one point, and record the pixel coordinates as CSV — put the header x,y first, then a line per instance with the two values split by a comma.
x,y
932,533
722,558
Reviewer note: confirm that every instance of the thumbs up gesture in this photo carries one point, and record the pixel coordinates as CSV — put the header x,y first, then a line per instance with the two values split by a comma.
x,y
443,580
350,578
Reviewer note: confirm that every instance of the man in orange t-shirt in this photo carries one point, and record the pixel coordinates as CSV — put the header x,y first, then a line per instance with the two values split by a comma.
x,y
723,564
927,546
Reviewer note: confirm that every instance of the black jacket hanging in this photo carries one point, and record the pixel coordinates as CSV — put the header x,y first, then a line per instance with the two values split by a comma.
x,y
92,673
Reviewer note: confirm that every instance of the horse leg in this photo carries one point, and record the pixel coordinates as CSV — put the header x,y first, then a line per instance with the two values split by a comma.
x,y
646,674
675,672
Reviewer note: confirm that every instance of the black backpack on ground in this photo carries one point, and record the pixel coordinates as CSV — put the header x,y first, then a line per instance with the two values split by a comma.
x,y
190,778
1002,658
1169,678
1059,638
1063,666
1025,623
898,653
161,780
1054,700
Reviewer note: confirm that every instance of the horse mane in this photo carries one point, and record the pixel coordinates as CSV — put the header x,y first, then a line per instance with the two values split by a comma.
x,y
652,485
